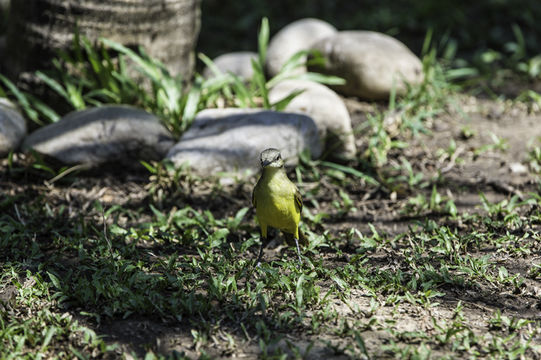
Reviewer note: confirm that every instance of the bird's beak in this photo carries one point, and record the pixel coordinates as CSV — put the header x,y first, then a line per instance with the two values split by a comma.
x,y
265,163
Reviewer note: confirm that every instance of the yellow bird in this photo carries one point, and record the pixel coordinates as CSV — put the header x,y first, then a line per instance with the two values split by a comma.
x,y
277,201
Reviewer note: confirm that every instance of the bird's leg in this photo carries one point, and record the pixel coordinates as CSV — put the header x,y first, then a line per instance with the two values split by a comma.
x,y
258,262
263,238
298,250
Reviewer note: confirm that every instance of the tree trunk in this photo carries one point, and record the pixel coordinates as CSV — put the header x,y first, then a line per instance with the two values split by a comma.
x,y
167,30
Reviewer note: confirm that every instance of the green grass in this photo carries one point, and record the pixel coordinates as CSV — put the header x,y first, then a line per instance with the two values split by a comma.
x,y
184,254
194,266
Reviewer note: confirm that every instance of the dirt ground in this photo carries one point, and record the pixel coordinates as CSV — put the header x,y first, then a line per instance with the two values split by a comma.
x,y
497,174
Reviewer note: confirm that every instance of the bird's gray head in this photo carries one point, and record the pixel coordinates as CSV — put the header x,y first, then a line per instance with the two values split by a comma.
x,y
271,158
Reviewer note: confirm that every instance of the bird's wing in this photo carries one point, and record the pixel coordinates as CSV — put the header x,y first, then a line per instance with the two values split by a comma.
x,y
298,199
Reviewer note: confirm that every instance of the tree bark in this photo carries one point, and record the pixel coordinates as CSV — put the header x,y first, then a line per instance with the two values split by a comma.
x,y
167,30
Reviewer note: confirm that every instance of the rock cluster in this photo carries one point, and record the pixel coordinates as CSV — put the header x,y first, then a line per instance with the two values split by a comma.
x,y
229,140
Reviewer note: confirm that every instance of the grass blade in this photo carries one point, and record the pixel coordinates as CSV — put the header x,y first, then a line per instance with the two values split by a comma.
x,y
349,170
281,104
263,40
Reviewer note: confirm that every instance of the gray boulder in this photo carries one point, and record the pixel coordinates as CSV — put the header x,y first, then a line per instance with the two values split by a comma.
x,y
105,134
297,36
230,140
12,127
328,111
370,62
237,63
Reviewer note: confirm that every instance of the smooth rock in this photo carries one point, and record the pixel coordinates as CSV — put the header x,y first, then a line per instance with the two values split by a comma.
x,y
237,63
12,127
105,134
230,140
328,111
370,62
297,36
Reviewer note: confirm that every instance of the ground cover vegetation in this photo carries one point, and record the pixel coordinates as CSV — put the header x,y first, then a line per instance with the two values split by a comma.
x,y
425,246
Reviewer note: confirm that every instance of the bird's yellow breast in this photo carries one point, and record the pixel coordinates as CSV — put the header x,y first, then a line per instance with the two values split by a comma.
x,y
274,197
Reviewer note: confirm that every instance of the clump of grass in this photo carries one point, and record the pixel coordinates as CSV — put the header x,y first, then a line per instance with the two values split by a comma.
x,y
501,64
90,76
34,109
255,92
